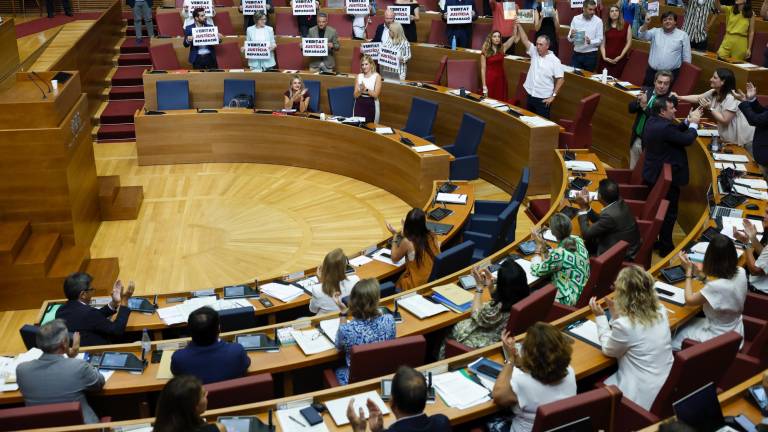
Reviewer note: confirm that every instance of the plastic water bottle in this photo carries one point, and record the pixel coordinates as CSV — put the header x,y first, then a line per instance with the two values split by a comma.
x,y
146,342
604,78
453,42
714,145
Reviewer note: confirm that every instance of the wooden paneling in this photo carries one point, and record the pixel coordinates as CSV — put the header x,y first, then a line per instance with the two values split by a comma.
x,y
9,51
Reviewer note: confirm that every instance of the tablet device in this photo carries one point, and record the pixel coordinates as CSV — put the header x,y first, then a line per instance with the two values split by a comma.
x,y
239,291
673,274
467,282
256,342
386,389
114,360
527,247
246,423
120,361
758,395
139,304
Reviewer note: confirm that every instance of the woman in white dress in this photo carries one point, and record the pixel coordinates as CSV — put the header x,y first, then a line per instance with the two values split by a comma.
x,y
540,374
722,297
261,32
637,336
367,90
333,283
399,43
189,19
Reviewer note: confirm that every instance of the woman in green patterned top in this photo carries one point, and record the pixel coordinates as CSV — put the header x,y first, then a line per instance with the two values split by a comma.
x,y
567,264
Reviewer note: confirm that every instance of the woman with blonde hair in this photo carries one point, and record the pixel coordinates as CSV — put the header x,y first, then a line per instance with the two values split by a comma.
x,y
492,65
367,90
297,96
333,282
637,336
397,42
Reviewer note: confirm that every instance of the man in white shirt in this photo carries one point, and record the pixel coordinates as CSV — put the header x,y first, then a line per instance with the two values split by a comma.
x,y
545,76
586,34
670,47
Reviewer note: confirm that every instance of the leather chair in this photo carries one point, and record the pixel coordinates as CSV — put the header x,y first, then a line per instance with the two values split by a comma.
x,y
163,57
431,5
238,391
488,211
224,3
172,95
341,100
479,32
578,132
596,404
224,23
463,73
237,319
313,88
466,165
169,25
286,25
452,260
437,33
342,24
645,210
627,176
381,358
440,69
634,70
759,41
234,87
41,416
28,334
355,63
288,55
421,118
490,237
521,96
649,231
228,56
756,306
686,79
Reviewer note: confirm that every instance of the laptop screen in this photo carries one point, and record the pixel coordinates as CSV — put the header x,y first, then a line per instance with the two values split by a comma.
x,y
701,409
581,425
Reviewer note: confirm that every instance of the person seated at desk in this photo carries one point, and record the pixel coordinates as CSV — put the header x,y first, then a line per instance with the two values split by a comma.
x,y
642,107
488,319
538,375
670,47
181,405
409,397
418,246
382,33
323,30
188,14
200,56
206,349
492,74
93,324
732,125
545,75
567,264
297,96
637,336
367,90
756,116
722,297
585,50
261,32
739,30
58,376
613,224
333,282
397,42
368,324
248,19
755,256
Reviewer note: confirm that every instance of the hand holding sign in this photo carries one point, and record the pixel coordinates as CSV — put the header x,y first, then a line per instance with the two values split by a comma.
x,y
303,7
459,14
402,14
257,50
205,36
315,47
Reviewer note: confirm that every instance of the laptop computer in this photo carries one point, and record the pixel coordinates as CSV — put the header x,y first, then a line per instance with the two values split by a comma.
x,y
701,410
716,211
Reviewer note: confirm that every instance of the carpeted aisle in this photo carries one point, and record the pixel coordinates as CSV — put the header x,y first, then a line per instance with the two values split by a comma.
x,y
43,24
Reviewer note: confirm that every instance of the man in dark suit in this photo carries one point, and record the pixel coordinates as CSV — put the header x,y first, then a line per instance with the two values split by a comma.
x,y
756,116
381,35
665,142
642,107
200,56
207,357
409,396
94,325
306,22
616,222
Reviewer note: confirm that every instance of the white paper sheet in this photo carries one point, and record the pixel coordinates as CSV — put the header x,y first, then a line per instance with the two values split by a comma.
x,y
379,255
724,157
425,148
331,328
678,294
359,261
577,165
312,341
586,330
338,407
526,265
420,306
459,391
451,198
284,293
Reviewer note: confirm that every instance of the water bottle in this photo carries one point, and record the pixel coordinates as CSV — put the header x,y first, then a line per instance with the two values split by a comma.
x,y
714,145
146,342
604,78
453,42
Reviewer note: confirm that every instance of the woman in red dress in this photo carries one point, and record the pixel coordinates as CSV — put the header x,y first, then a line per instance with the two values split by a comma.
x,y
616,43
492,65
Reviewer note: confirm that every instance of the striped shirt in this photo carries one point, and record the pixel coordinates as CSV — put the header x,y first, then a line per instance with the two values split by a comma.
x,y
696,16
404,48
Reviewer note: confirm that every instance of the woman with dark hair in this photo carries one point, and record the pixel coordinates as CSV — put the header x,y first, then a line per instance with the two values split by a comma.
x,y
723,296
739,30
418,246
180,405
732,125
617,38
539,375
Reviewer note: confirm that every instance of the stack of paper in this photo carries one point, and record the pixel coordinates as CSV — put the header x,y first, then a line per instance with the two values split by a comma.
x,y
746,65
451,198
735,166
385,255
724,157
750,192
752,183
585,330
312,341
359,261
535,121
8,368
330,328
291,420
425,148
493,103
420,306
384,130
338,407
670,293
180,313
577,165
526,265
307,283
458,391
731,223
282,292
514,57
454,297
707,132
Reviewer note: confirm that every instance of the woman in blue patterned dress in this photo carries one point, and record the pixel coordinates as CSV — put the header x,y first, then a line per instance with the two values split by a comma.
x,y
368,325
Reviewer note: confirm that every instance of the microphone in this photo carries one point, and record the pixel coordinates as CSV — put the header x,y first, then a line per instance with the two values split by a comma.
x,y
269,420
47,84
32,78
155,302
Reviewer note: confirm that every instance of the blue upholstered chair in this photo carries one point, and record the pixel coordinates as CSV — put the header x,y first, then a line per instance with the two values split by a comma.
x,y
237,319
313,87
452,260
489,212
493,232
172,95
341,100
421,119
233,87
466,166
28,334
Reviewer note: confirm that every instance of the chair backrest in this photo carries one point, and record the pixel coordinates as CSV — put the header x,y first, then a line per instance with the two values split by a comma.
x,y
437,33
341,100
522,186
657,193
479,33
756,306
313,88
355,62
341,23
480,10
463,73
758,346
280,3
238,391
228,56
759,41
469,136
237,319
507,224
583,121
686,79
169,24
421,118
172,95
452,260
693,367
41,416
521,96
431,5
224,23
636,178
602,272
288,56
286,25
634,70
28,334
164,57
595,404
649,230
383,358
564,49
531,309
235,87
440,69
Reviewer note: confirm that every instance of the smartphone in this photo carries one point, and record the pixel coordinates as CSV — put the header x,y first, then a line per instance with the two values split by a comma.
x,y
265,302
175,299
386,389
156,356
487,370
758,394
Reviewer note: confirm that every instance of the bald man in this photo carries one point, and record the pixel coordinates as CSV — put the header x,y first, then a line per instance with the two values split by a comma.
x,y
381,35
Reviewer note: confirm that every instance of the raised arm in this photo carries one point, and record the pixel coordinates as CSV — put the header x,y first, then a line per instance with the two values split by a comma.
x,y
523,38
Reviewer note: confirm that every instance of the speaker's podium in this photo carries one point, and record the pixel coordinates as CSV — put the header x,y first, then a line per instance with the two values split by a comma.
x,y
49,192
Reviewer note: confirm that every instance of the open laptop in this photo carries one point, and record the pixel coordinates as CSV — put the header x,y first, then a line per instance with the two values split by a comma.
x,y
581,425
701,410
716,211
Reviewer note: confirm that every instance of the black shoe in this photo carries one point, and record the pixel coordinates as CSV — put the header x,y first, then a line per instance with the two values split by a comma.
x,y
657,245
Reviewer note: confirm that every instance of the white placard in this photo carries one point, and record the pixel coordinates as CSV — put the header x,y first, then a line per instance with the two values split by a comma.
x,y
525,16
201,4
459,14
314,47
257,50
402,14
389,57
653,9
370,48
251,6
577,4
358,7
205,36
303,7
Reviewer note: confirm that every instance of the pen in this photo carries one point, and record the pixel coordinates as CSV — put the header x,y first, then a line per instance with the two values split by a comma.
x,y
294,419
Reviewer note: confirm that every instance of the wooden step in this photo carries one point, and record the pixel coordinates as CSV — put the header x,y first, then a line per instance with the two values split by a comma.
x,y
108,186
104,272
71,259
13,235
125,205
37,255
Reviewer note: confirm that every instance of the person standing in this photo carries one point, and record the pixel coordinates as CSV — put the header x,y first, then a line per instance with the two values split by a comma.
x,y
547,25
492,74
248,19
323,30
382,33
545,75
306,22
51,8
506,27
200,56
757,116
632,13
641,106
616,43
360,21
187,14
397,42
461,32
367,91
739,30
410,28
699,17
142,10
586,34
670,47
261,32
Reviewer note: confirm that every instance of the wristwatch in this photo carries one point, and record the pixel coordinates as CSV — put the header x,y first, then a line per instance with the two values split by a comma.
x,y
554,94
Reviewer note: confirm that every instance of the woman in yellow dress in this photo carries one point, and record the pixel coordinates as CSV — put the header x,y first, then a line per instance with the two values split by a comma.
x,y
739,30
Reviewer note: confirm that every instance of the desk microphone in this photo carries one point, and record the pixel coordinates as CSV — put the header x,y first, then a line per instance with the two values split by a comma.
x,y
155,302
47,85
32,78
269,420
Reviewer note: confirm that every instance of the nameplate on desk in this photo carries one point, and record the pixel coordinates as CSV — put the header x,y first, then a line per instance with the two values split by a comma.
x,y
294,276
